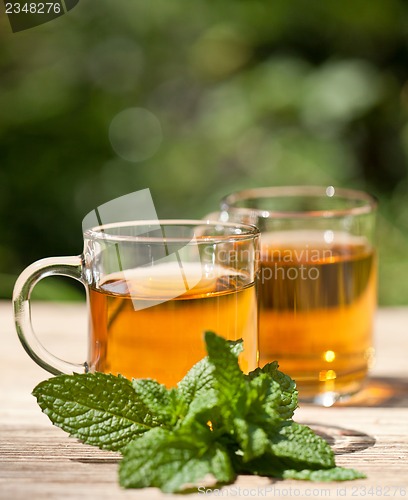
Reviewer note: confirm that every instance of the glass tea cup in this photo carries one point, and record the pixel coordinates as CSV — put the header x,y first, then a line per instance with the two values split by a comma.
x,y
317,284
153,288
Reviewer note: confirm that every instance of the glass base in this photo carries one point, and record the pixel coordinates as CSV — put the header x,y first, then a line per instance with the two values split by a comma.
x,y
327,395
326,399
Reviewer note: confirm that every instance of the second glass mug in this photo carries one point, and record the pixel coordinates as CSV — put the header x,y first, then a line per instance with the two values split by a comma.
x,y
317,287
153,288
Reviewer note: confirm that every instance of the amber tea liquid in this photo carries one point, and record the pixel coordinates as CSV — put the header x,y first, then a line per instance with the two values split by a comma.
x,y
163,341
317,296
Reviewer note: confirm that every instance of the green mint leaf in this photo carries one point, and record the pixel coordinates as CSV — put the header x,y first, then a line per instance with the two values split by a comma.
x,y
173,461
197,390
324,475
252,439
264,400
197,394
197,382
300,448
251,425
159,401
292,446
238,398
236,346
282,396
229,380
99,409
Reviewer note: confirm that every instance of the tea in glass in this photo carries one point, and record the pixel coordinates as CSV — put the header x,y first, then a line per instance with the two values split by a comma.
x,y
317,304
317,283
164,340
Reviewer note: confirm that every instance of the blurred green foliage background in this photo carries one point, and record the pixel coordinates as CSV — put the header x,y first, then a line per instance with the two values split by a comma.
x,y
240,93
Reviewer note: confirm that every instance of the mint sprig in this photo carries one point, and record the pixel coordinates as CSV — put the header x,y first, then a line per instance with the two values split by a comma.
x,y
217,423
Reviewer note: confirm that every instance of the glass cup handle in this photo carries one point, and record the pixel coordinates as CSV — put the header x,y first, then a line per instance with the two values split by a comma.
x,y
63,266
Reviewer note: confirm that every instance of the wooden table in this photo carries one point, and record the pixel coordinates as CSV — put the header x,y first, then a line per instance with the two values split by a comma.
x,y
39,461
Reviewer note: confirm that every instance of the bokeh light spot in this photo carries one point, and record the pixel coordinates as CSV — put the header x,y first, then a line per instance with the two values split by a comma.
x,y
326,375
329,356
135,134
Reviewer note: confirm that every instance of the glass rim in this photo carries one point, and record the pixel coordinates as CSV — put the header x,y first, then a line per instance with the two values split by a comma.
x,y
244,231
369,202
